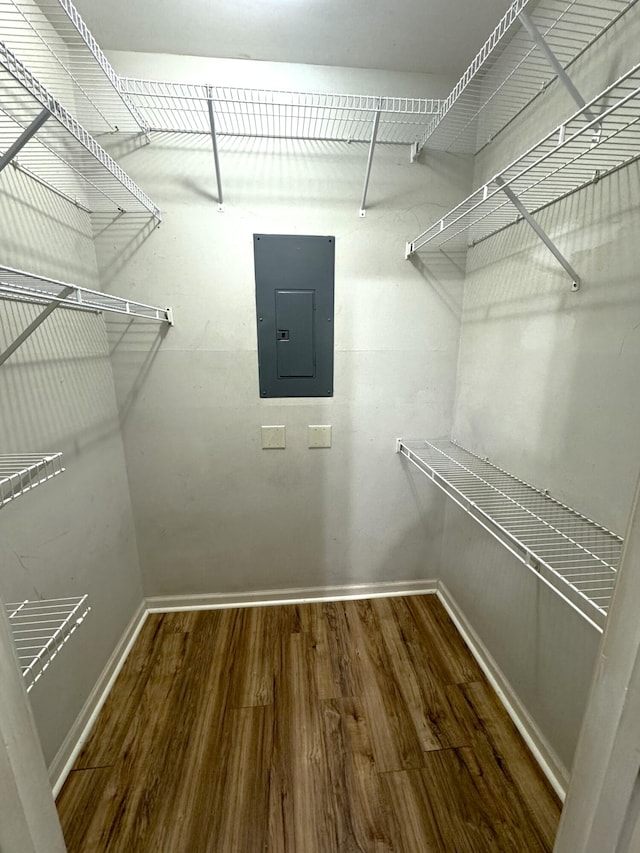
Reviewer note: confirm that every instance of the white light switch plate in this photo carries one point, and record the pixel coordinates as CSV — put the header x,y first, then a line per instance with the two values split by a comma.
x,y
274,437
319,435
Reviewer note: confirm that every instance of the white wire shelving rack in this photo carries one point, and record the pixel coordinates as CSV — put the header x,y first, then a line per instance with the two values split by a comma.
x,y
53,41
29,287
40,630
597,139
191,108
20,286
184,108
43,139
21,472
573,555
511,68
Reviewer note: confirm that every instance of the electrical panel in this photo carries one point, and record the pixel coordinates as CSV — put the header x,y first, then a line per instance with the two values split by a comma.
x,y
294,304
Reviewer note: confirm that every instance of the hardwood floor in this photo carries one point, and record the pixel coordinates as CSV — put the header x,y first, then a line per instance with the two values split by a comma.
x,y
342,726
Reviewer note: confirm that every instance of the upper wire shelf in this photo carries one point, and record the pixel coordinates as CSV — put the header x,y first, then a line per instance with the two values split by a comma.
x,y
29,287
183,108
41,628
573,555
597,139
21,472
54,42
63,156
509,71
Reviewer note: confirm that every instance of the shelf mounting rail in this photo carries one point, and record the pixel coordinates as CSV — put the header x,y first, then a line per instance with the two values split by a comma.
x,y
571,554
577,153
41,628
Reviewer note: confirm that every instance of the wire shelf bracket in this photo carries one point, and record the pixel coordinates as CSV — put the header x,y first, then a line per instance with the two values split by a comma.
x,y
20,286
542,234
539,40
571,554
372,146
214,144
21,472
40,630
27,134
579,152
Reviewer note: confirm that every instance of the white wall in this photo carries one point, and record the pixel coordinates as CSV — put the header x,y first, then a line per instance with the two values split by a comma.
x,y
546,388
214,512
75,534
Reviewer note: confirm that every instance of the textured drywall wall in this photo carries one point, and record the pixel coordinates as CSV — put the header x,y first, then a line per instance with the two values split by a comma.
x,y
214,512
547,388
74,534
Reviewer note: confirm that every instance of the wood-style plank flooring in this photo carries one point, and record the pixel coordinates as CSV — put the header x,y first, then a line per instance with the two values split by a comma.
x,y
342,726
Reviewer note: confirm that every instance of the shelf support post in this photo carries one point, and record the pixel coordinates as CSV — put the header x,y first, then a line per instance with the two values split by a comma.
x,y
372,145
24,137
539,40
542,234
42,316
214,143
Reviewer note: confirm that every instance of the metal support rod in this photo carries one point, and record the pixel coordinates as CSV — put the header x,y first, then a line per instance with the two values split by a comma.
x,y
372,145
542,234
214,142
42,316
24,137
539,40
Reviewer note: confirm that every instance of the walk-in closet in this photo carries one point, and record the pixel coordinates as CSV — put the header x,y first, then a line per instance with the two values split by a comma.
x,y
319,426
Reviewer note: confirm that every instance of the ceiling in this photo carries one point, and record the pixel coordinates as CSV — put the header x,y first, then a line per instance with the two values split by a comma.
x,y
429,36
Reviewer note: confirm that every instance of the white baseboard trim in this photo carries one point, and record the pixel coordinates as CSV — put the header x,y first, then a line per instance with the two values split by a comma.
x,y
549,762
74,741
300,595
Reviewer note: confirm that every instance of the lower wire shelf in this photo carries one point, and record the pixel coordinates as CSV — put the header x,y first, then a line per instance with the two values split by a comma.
x,y
41,628
573,555
21,472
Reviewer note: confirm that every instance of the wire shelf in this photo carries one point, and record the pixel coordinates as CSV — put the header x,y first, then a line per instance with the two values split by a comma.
x,y
577,558
53,41
29,287
41,628
601,137
21,472
63,155
509,71
183,108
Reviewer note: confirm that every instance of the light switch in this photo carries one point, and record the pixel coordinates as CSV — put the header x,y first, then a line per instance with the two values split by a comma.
x,y
319,435
274,437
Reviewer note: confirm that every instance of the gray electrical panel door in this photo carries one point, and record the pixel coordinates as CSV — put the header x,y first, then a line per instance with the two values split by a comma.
x,y
294,302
